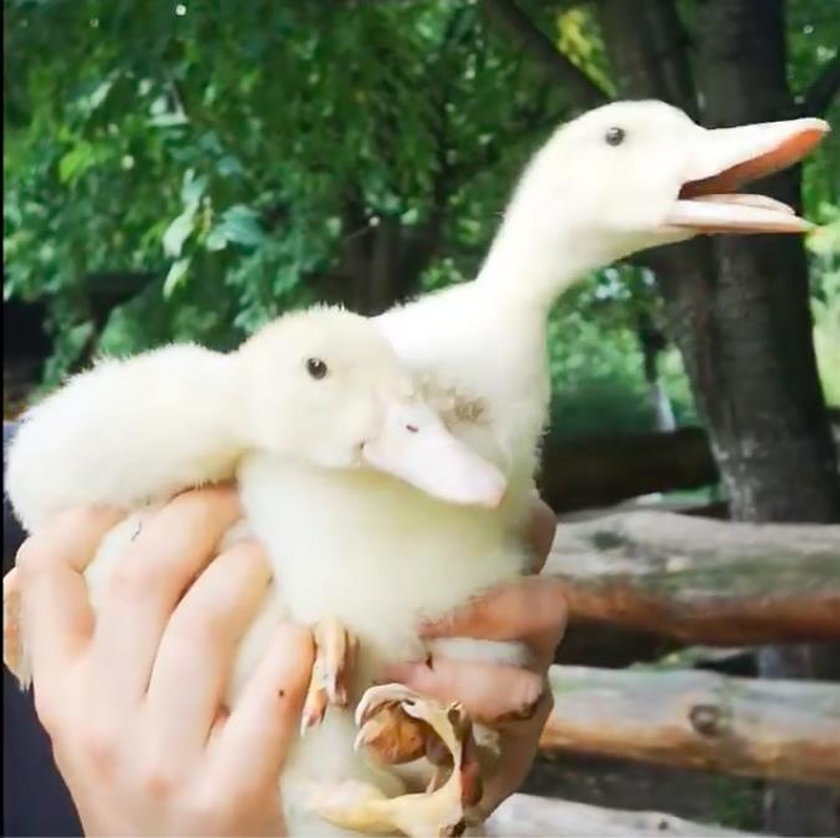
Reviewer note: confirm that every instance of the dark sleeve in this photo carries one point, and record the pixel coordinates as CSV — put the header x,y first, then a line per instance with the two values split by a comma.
x,y
12,531
35,799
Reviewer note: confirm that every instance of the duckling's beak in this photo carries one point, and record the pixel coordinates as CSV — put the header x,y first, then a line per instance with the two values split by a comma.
x,y
724,159
414,445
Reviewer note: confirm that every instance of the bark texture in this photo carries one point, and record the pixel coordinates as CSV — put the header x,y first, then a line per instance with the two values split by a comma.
x,y
738,307
702,581
775,729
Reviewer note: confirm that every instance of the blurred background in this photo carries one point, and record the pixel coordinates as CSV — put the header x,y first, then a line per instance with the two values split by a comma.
x,y
186,171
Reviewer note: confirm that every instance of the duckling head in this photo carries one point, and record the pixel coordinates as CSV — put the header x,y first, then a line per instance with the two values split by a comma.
x,y
632,175
325,387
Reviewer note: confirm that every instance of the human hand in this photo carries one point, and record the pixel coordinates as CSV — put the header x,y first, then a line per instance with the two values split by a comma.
x,y
532,611
133,699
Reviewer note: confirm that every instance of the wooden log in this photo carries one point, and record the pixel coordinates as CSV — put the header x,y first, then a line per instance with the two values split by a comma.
x,y
702,581
529,816
772,729
599,472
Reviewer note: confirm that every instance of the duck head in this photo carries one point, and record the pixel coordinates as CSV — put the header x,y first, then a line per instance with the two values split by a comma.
x,y
632,175
324,387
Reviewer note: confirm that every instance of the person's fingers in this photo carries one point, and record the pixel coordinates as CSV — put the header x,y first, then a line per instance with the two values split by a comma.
x,y
490,692
170,550
11,623
517,611
542,527
519,742
54,607
198,649
251,747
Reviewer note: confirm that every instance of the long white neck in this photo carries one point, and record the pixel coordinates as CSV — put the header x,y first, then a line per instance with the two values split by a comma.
x,y
537,255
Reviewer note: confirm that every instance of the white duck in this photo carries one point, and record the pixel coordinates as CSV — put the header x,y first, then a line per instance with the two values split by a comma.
x,y
619,179
320,400
622,178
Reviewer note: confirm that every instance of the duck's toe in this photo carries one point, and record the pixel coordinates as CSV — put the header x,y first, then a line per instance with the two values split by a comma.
x,y
335,657
399,725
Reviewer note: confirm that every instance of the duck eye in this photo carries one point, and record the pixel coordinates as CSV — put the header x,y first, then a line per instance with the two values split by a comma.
x,y
316,367
615,135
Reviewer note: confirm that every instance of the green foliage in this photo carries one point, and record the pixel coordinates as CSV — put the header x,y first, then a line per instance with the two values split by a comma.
x,y
825,247
229,155
737,803
596,366
219,151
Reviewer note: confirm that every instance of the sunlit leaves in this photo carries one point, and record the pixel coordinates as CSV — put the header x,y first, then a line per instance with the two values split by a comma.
x,y
221,150
240,225
175,276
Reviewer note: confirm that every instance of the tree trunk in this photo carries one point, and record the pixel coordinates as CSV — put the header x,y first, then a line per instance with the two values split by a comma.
x,y
738,307
763,401
774,435
652,343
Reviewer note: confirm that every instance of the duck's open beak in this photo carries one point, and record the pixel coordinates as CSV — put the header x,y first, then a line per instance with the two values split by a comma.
x,y
727,158
415,446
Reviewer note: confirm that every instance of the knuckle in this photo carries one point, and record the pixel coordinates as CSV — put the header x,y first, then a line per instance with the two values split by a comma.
x,y
31,559
100,746
158,776
210,811
526,695
204,810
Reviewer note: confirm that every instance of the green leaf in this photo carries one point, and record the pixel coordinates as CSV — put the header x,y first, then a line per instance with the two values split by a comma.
x,y
241,225
178,232
825,241
168,120
229,166
99,95
193,189
177,273
76,162
216,239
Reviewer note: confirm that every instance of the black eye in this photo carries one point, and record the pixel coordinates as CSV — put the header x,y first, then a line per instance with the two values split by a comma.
x,y
316,367
615,135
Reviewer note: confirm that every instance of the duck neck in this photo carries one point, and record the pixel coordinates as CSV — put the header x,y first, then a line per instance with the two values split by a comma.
x,y
532,261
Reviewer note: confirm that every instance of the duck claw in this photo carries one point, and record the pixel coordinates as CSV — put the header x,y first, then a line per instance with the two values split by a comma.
x,y
393,737
335,655
399,724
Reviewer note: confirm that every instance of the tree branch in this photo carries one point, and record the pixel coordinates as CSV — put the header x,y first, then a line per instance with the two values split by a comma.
x,y
584,92
817,98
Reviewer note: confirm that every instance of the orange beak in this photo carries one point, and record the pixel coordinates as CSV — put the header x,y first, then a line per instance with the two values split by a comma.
x,y
726,159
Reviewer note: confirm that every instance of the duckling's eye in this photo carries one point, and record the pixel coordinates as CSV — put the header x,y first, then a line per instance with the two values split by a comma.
x,y
316,367
615,135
